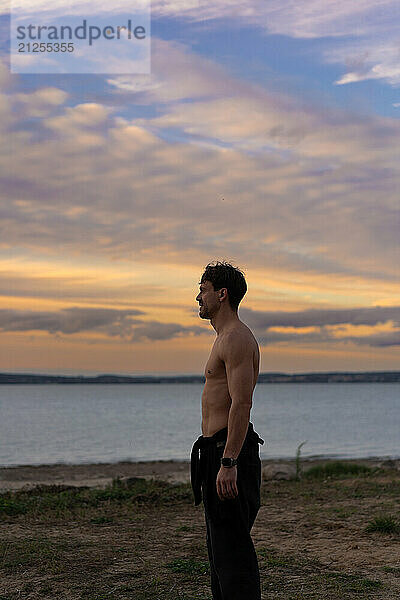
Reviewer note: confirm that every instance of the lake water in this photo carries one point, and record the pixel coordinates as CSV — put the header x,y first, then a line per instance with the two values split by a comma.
x,y
46,424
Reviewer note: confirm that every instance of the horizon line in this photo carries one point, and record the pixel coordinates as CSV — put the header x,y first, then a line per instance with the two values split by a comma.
x,y
180,374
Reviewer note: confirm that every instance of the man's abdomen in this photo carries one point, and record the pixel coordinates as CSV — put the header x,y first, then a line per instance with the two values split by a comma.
x,y
215,405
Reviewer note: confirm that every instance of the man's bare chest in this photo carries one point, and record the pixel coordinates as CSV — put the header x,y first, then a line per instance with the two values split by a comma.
x,y
215,366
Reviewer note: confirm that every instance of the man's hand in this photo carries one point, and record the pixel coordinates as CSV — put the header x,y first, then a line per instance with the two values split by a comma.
x,y
226,483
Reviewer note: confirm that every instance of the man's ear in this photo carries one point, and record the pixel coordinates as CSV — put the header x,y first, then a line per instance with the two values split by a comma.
x,y
223,292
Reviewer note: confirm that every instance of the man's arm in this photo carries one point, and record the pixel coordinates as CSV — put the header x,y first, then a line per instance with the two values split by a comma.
x,y
238,359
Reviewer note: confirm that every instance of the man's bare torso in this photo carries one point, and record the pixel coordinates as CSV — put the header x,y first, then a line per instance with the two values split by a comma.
x,y
216,401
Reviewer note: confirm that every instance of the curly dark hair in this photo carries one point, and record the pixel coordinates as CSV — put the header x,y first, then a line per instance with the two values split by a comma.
x,y
224,275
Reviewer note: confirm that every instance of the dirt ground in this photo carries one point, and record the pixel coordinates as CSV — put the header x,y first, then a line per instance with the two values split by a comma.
x,y
94,475
310,536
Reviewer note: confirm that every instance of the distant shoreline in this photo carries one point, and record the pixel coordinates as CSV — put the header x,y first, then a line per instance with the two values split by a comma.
x,y
324,377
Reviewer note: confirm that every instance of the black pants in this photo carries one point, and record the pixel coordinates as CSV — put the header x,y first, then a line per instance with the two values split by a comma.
x,y
233,560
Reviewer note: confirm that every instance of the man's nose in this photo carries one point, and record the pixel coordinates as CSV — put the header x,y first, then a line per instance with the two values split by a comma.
x,y
197,297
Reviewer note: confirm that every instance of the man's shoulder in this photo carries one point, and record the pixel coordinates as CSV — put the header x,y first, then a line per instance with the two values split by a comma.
x,y
240,332
239,339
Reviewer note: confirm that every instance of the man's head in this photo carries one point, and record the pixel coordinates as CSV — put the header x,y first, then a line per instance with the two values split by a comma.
x,y
220,283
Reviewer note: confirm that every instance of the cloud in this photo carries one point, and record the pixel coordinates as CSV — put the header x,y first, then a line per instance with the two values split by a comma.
x,y
321,317
68,320
324,323
80,286
284,133
316,18
154,330
297,18
106,321
378,340
268,326
251,176
177,74
42,98
89,114
365,60
373,23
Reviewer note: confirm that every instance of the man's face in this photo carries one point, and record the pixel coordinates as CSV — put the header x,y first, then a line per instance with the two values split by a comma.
x,y
208,300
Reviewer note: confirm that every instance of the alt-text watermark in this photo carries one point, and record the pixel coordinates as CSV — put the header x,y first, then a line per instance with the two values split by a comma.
x,y
46,41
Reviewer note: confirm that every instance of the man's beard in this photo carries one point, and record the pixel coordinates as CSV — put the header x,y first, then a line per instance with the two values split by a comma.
x,y
203,314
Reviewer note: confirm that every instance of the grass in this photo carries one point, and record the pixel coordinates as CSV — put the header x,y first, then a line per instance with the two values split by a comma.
x,y
297,461
102,520
383,524
394,570
284,570
345,583
189,566
347,489
186,528
30,552
63,501
273,558
336,469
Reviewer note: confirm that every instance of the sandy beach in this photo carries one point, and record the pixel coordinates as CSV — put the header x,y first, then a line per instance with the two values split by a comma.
x,y
102,474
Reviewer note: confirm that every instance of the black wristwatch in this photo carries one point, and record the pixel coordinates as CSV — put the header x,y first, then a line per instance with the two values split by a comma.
x,y
228,462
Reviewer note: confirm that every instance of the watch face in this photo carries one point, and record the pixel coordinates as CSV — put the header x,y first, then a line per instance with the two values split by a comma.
x,y
228,462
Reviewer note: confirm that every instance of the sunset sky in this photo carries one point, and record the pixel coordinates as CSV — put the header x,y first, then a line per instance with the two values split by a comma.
x,y
267,134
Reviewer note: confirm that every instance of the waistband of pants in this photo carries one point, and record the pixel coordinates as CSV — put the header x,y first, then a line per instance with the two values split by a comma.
x,y
202,444
221,436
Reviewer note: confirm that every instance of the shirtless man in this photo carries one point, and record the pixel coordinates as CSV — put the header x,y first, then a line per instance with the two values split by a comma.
x,y
227,474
